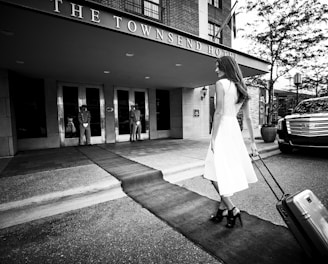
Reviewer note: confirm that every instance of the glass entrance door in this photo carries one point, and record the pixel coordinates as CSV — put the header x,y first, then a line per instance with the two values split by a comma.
x,y
124,99
70,98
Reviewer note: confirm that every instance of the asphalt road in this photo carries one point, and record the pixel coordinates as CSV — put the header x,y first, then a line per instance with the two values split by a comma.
x,y
121,231
303,169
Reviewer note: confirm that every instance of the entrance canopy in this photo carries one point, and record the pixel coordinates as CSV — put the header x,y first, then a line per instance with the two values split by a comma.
x,y
79,41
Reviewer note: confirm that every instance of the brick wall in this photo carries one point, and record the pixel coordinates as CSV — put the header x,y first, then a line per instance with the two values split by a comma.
x,y
179,14
183,15
118,4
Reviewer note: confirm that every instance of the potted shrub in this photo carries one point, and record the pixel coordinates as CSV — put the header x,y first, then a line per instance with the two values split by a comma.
x,y
268,132
269,129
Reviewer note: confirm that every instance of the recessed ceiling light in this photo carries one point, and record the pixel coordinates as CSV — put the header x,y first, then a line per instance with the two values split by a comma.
x,y
20,62
106,72
129,54
147,77
178,64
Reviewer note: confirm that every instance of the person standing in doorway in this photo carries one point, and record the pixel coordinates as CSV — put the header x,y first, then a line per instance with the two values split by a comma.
x,y
137,123
131,121
227,163
84,120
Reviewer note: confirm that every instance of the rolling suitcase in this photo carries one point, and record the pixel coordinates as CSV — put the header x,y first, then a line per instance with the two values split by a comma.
x,y
305,216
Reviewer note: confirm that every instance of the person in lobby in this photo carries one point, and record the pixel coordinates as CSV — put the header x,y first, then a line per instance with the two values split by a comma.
x,y
131,121
84,117
137,123
70,128
227,163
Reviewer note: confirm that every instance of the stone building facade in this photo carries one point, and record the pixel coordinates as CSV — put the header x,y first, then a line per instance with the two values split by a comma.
x,y
110,55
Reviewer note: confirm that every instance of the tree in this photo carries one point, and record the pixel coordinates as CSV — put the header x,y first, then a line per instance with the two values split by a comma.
x,y
315,72
324,92
316,77
284,34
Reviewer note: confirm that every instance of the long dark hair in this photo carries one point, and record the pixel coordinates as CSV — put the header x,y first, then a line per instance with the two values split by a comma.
x,y
233,73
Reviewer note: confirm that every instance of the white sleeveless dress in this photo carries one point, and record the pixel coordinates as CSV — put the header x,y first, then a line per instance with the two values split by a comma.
x,y
230,165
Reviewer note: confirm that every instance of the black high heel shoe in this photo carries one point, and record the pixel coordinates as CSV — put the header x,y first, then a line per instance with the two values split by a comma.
x,y
220,214
231,219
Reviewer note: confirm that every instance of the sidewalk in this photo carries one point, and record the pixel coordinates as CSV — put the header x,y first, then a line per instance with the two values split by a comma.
x,y
46,182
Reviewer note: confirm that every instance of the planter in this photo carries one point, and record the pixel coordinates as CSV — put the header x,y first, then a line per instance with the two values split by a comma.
x,y
268,133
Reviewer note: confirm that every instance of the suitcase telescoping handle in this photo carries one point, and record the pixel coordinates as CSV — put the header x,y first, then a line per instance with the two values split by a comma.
x,y
276,182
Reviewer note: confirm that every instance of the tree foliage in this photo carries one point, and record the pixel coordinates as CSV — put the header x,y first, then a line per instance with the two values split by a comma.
x,y
285,33
315,72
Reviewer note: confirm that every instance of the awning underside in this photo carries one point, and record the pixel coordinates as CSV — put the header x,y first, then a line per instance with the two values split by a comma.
x,y
52,47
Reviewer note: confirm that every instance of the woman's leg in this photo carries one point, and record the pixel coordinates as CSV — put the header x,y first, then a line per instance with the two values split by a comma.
x,y
233,212
139,130
222,204
222,210
215,184
227,201
134,130
131,131
82,131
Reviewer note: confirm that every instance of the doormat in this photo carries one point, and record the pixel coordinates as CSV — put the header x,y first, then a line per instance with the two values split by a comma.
x,y
258,241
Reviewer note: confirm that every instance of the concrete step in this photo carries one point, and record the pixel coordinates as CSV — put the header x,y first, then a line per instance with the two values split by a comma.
x,y
19,212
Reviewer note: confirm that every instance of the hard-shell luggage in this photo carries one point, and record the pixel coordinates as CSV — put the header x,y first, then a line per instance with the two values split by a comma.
x,y
305,216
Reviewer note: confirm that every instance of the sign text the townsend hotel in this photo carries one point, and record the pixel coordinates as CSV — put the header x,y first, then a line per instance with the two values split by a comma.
x,y
122,24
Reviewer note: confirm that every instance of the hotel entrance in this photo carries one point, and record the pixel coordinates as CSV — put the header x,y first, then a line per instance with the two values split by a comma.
x,y
124,99
69,100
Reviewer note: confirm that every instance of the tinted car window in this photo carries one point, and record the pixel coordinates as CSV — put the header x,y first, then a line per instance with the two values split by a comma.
x,y
312,106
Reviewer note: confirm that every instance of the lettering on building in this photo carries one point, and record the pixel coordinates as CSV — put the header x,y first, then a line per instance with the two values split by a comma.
x,y
122,24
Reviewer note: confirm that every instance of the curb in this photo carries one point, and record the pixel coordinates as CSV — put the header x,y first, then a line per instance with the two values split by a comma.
x,y
42,199
27,210
188,171
183,172
269,151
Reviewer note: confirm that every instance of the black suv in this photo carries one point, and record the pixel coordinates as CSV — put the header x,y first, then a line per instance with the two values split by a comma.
x,y
307,126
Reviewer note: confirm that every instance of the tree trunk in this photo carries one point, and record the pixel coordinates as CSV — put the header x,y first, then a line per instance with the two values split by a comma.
x,y
270,108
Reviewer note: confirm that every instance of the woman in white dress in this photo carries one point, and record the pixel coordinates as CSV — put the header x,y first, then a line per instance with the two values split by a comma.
x,y
227,163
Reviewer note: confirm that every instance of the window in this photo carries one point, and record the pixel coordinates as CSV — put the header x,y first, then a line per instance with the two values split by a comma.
x,y
151,9
212,30
123,112
215,3
140,100
312,106
163,109
29,104
134,6
148,8
71,109
93,103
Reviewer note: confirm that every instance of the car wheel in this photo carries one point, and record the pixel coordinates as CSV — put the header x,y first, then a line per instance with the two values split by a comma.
x,y
285,148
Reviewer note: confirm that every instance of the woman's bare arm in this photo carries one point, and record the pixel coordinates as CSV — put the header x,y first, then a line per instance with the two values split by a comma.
x,y
219,91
